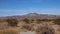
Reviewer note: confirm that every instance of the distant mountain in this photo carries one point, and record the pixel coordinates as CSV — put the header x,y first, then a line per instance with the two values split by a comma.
x,y
32,16
41,16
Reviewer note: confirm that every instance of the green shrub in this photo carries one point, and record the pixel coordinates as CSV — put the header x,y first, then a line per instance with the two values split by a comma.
x,y
31,21
39,21
12,22
26,20
45,20
57,21
45,30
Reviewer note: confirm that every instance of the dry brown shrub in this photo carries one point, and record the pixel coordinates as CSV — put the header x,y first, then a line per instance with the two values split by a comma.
x,y
9,31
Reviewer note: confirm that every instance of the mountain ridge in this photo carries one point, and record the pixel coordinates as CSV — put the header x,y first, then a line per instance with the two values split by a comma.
x,y
33,16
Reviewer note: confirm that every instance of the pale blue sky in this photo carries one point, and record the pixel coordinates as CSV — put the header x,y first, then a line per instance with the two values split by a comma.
x,y
21,7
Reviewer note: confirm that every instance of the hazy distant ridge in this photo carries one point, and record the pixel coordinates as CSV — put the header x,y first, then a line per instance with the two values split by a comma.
x,y
33,16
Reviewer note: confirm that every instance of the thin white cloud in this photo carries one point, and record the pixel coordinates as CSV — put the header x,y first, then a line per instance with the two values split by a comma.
x,y
30,10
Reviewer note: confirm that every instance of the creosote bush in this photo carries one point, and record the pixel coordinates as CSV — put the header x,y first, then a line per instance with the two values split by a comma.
x,y
46,20
39,21
26,20
45,30
31,20
26,26
42,20
57,21
12,22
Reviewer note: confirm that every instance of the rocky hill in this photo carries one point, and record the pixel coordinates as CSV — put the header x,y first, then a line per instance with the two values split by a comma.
x,y
32,16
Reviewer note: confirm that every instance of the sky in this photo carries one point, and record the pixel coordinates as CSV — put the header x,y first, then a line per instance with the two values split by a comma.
x,y
21,7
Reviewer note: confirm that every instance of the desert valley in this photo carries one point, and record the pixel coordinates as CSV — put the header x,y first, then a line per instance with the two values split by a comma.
x,y
32,22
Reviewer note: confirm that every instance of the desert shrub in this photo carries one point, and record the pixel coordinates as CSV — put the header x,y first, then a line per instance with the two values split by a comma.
x,y
39,21
45,30
26,20
9,31
45,20
12,22
57,21
58,29
26,26
42,20
32,20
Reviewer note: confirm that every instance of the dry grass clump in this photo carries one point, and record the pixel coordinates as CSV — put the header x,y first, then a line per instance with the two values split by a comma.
x,y
9,31
58,29
3,26
45,29
26,26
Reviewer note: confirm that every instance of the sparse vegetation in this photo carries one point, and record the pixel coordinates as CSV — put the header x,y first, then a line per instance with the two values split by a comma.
x,y
12,22
38,21
46,20
32,20
42,20
9,31
57,21
26,26
26,20
30,25
58,29
45,30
